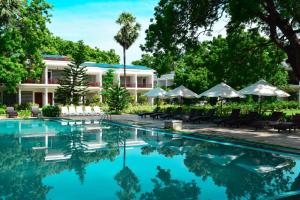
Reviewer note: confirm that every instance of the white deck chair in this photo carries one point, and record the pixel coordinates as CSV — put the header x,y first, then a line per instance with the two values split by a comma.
x,y
79,110
97,110
72,110
64,110
88,110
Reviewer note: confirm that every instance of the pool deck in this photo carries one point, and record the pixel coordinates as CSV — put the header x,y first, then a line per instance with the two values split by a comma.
x,y
291,141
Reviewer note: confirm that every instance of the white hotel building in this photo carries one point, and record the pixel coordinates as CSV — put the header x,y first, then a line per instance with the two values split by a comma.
x,y
139,79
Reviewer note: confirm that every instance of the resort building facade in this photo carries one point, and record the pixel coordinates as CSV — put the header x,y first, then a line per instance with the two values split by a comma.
x,y
139,80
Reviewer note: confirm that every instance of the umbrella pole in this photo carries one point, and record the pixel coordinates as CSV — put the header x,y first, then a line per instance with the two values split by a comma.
x,y
221,106
260,104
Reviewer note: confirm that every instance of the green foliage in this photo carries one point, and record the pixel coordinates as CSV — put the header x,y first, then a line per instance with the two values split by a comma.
x,y
57,45
24,114
117,99
2,111
51,111
142,100
23,33
161,62
24,106
74,82
178,25
234,59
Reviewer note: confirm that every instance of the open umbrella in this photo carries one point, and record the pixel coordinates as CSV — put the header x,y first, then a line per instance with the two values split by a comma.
x,y
156,93
181,92
263,88
221,90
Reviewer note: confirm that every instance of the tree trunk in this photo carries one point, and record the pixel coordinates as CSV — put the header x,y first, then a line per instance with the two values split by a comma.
x,y
293,53
124,62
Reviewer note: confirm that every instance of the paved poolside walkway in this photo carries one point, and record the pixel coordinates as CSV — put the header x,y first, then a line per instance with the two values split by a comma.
x,y
267,136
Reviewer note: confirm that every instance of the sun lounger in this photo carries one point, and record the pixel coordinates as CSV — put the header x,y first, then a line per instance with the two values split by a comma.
x,y
97,110
79,110
232,119
248,119
194,115
10,111
72,110
64,110
88,110
273,120
35,111
158,114
144,114
208,117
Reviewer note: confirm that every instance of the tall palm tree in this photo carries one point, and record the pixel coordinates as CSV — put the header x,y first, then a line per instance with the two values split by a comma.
x,y
127,35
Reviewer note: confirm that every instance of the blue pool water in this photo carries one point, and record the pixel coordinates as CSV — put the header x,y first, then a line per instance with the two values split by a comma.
x,y
48,159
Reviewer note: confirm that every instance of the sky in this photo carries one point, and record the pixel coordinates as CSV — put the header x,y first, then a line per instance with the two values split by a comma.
x,y
93,21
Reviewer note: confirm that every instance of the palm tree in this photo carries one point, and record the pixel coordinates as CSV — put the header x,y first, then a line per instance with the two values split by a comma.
x,y
127,35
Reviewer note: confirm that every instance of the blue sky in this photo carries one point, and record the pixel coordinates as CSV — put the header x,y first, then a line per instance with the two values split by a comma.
x,y
94,21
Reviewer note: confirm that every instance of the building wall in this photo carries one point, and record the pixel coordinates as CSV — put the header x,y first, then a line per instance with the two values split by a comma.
x,y
138,81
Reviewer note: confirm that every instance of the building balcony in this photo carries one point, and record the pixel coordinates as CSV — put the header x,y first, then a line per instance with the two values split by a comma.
x,y
94,84
53,81
144,85
31,81
130,85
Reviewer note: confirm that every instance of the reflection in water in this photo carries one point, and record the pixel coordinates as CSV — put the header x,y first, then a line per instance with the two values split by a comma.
x,y
167,188
161,167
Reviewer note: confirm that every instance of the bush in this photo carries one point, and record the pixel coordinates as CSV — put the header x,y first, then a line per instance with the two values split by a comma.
x,y
51,111
24,106
2,111
117,99
142,100
24,113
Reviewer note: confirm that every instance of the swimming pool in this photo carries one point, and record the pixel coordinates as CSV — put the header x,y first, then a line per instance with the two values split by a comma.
x,y
57,159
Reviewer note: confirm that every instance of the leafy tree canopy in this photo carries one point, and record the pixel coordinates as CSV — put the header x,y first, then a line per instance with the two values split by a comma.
x,y
57,45
235,59
23,32
178,24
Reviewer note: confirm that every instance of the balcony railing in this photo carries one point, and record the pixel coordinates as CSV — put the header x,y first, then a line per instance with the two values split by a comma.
x,y
38,81
94,84
53,81
130,85
144,85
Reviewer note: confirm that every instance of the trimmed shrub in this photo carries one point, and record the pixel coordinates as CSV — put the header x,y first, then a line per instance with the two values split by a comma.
x,y
24,113
2,111
51,111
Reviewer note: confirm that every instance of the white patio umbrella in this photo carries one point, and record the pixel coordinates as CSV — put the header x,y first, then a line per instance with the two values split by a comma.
x,y
263,88
182,92
221,90
156,93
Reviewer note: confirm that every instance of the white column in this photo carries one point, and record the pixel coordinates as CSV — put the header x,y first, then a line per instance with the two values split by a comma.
x,y
33,97
19,96
45,97
135,94
152,81
119,79
100,79
135,81
46,75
